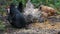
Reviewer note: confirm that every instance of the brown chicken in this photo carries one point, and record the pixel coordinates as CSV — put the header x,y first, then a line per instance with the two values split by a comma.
x,y
47,10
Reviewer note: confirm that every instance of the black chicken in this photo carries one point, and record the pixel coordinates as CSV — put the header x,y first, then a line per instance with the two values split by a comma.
x,y
20,7
15,17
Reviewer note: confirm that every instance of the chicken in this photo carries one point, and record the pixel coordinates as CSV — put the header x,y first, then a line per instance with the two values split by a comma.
x,y
34,13
28,11
49,10
16,18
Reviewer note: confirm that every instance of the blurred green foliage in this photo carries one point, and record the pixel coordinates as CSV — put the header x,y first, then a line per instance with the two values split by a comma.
x,y
2,26
52,3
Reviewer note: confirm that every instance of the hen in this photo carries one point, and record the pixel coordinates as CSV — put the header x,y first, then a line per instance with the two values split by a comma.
x,y
15,17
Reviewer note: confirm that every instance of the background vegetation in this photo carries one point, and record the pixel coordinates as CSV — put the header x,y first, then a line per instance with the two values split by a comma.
x,y
4,3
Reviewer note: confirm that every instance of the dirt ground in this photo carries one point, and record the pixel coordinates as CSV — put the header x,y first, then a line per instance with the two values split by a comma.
x,y
48,27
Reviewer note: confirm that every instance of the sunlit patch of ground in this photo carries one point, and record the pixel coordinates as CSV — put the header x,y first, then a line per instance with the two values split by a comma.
x,y
47,25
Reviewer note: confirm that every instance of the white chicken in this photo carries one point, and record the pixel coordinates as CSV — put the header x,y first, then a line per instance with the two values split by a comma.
x,y
30,11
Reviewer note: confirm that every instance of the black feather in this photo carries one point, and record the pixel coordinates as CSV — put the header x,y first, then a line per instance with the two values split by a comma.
x,y
20,7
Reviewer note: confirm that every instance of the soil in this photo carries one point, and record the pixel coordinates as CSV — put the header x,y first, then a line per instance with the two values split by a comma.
x,y
51,26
